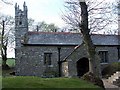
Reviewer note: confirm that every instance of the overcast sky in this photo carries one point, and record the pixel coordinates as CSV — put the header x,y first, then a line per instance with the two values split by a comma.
x,y
49,11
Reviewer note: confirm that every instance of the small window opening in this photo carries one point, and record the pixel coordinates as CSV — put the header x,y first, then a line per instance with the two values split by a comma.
x,y
103,56
47,58
20,23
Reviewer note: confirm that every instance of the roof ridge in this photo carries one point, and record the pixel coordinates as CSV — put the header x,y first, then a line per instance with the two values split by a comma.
x,y
35,32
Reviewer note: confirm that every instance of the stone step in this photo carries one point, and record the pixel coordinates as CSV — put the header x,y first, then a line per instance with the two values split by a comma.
x,y
114,78
109,86
117,73
117,82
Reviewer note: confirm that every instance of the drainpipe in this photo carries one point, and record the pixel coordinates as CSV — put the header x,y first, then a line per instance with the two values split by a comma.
x,y
59,62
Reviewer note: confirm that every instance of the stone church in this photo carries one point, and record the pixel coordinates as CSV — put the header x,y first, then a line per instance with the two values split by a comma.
x,y
52,54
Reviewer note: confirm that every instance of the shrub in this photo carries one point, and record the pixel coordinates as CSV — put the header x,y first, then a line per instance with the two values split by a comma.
x,y
110,69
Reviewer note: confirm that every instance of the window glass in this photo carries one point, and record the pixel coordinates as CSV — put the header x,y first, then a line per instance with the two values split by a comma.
x,y
104,56
47,58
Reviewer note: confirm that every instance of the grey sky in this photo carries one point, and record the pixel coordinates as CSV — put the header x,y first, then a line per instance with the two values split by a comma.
x,y
40,10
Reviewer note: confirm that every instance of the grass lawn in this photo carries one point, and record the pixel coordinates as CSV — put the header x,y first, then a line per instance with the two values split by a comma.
x,y
37,82
10,62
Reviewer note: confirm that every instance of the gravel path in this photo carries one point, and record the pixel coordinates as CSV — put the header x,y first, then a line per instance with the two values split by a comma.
x,y
110,86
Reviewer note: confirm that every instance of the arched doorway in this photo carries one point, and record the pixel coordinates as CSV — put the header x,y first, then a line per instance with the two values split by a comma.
x,y
82,66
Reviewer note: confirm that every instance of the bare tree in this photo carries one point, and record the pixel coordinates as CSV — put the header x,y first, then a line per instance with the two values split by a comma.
x,y
7,2
100,15
7,37
94,60
44,27
83,26
79,18
31,25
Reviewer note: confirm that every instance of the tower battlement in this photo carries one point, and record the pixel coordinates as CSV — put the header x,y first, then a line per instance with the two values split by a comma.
x,y
21,23
19,11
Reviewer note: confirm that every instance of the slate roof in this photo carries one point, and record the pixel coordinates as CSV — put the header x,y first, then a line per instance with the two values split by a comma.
x,y
62,38
105,39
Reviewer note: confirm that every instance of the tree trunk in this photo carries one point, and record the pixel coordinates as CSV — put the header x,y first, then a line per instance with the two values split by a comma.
x,y
4,55
94,65
4,50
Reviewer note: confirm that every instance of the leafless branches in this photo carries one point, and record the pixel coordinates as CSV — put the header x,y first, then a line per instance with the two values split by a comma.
x,y
7,2
100,14
8,35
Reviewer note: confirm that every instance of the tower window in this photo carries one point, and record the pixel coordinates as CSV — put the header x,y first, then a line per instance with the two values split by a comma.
x,y
20,23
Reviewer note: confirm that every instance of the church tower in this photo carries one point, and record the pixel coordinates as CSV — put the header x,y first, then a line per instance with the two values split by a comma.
x,y
21,23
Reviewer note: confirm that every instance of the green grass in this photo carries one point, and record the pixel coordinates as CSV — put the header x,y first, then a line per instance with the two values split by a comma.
x,y
37,82
10,62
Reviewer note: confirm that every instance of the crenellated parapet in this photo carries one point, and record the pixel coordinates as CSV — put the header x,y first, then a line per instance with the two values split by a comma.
x,y
21,23
19,11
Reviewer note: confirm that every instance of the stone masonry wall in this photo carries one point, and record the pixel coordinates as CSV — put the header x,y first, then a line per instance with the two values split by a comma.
x,y
112,53
81,52
30,59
